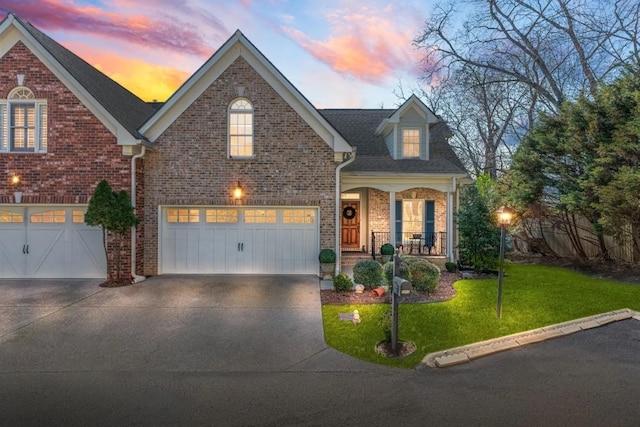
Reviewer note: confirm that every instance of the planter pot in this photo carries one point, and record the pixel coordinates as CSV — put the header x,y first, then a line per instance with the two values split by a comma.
x,y
327,270
359,289
379,291
17,197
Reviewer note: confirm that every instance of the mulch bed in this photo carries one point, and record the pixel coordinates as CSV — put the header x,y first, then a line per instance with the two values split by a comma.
x,y
444,292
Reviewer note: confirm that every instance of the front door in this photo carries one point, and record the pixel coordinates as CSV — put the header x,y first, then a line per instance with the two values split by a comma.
x,y
350,225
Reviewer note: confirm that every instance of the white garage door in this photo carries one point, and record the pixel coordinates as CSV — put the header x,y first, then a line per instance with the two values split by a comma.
x,y
49,242
247,240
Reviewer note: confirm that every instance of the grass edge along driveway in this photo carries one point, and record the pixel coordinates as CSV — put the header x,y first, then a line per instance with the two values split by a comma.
x,y
534,296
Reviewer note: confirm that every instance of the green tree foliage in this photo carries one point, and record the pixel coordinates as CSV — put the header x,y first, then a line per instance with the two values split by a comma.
x,y
479,236
112,211
583,162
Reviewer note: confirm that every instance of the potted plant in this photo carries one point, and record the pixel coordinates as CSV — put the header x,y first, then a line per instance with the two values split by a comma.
x,y
387,251
327,258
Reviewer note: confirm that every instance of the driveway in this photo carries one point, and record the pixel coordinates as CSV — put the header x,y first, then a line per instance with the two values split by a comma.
x,y
245,350
166,323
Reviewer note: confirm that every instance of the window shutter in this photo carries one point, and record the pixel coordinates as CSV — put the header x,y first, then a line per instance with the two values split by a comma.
x,y
429,222
398,222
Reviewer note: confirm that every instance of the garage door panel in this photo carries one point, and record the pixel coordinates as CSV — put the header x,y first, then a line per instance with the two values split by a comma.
x,y
226,244
48,252
12,259
87,252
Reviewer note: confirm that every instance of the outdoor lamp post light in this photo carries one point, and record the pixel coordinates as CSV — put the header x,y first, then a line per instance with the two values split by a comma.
x,y
505,214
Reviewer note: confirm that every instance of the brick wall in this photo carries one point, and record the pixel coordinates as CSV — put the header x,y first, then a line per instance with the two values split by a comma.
x,y
80,153
292,165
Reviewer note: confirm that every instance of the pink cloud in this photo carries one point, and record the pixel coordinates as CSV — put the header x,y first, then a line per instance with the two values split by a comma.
x,y
166,33
365,43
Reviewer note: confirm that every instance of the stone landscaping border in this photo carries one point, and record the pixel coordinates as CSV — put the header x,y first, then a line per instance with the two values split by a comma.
x,y
467,353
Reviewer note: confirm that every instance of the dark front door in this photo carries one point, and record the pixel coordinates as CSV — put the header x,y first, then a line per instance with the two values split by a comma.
x,y
350,225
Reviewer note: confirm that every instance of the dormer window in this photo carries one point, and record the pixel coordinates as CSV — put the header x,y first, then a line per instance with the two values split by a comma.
x,y
240,128
23,122
411,142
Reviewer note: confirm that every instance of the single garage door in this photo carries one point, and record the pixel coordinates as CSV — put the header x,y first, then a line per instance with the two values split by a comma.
x,y
234,240
49,242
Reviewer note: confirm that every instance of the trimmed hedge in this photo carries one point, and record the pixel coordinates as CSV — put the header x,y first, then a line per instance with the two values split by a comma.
x,y
425,276
404,272
342,283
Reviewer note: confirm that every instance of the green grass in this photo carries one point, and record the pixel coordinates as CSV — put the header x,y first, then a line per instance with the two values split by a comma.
x,y
533,296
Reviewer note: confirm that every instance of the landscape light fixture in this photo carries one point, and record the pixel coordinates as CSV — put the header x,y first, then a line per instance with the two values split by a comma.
x,y
505,215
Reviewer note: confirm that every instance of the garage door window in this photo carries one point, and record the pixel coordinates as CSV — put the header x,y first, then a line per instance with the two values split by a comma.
x,y
183,215
11,217
299,216
221,216
260,216
48,217
78,217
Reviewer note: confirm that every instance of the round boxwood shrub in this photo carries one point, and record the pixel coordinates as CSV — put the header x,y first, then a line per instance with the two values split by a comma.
x,y
425,276
388,272
387,249
368,273
327,256
451,267
342,283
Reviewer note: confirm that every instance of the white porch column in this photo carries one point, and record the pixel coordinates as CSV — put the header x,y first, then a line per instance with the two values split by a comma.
x,y
450,225
392,218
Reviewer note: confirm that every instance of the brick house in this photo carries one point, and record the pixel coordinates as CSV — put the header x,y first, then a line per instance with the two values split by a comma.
x,y
236,173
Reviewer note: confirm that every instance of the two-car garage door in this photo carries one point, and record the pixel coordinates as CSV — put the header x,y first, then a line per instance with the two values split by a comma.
x,y
49,242
238,240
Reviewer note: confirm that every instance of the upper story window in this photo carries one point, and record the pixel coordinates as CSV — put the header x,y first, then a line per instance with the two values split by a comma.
x,y
240,128
23,122
411,143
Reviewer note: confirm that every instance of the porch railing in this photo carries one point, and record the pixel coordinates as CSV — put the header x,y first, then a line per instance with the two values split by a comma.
x,y
432,243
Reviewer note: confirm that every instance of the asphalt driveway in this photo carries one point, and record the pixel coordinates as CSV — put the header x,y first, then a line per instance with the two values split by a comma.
x,y
166,323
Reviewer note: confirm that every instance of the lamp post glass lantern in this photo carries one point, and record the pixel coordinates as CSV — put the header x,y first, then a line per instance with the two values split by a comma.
x,y
505,214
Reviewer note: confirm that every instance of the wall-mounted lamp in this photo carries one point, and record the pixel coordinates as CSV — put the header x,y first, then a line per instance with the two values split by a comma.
x,y
20,79
17,195
238,193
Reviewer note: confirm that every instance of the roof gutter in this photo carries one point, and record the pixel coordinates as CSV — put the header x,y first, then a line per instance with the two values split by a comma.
x,y
337,222
135,277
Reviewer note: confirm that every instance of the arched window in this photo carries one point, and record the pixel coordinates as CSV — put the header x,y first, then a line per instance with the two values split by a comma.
x,y
240,128
23,122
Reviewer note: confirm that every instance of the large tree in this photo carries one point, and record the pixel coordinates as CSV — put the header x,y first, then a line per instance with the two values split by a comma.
x,y
527,55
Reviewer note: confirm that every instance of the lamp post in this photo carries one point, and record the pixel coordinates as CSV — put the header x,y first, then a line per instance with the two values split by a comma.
x,y
505,214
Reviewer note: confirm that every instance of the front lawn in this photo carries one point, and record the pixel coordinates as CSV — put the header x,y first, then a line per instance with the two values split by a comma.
x,y
533,296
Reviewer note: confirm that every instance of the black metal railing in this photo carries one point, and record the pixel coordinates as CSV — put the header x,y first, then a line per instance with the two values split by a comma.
x,y
432,243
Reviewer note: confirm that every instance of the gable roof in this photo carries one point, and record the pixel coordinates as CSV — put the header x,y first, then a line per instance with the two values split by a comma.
x,y
360,128
239,46
117,108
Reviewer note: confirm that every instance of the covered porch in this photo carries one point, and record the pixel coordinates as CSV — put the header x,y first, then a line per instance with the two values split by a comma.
x,y
415,214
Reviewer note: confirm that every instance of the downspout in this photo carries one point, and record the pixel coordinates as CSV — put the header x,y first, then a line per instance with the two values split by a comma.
x,y
136,278
338,169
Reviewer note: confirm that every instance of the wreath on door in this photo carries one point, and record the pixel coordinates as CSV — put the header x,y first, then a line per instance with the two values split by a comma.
x,y
349,212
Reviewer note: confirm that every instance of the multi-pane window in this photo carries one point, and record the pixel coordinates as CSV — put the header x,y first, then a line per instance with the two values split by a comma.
x,y
298,216
241,128
23,122
411,143
221,216
183,215
412,216
8,216
260,216
58,217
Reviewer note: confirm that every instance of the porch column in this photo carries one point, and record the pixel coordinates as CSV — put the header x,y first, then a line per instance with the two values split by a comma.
x,y
392,218
450,225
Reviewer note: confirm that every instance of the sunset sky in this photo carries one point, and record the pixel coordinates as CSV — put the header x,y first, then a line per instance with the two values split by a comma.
x,y
338,53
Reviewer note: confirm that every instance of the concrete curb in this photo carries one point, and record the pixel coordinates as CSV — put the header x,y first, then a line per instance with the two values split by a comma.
x,y
467,353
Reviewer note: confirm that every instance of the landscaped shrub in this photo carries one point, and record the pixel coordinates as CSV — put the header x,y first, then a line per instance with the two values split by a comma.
x,y
342,283
425,276
327,256
451,267
387,249
368,273
388,272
